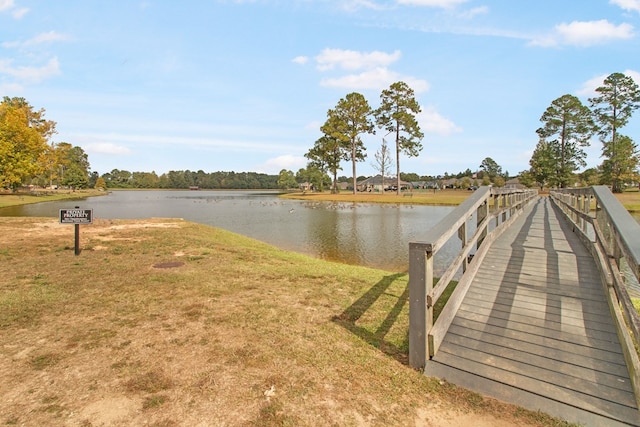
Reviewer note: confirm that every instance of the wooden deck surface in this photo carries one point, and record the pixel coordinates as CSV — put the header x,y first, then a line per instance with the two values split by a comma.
x,y
535,328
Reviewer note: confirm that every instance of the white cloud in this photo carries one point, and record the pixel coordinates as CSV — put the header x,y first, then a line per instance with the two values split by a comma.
x,y
589,87
354,5
353,60
31,74
288,161
433,122
471,13
48,37
9,6
313,125
19,13
627,4
372,79
195,142
379,78
11,88
433,3
585,33
107,148
6,5
375,74
300,60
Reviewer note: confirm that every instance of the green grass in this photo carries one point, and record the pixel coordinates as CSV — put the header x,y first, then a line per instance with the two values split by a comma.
x,y
210,337
418,197
23,198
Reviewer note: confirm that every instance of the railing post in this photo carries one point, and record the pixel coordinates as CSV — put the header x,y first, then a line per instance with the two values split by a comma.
x,y
586,208
462,235
482,213
504,207
420,312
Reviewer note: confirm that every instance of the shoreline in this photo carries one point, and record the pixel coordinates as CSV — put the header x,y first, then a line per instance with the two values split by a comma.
x,y
448,197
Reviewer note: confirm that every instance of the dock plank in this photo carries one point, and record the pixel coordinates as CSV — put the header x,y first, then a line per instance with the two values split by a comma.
x,y
535,323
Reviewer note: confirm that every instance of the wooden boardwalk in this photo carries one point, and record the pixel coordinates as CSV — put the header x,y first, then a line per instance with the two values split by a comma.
x,y
534,328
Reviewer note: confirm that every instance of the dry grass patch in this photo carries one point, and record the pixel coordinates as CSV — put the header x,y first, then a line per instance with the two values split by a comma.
x,y
8,198
630,200
417,197
242,334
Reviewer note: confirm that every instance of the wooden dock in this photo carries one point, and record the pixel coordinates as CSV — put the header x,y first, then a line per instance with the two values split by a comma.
x,y
535,329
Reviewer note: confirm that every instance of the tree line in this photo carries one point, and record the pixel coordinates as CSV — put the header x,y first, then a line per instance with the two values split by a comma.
x,y
568,127
353,117
29,157
188,179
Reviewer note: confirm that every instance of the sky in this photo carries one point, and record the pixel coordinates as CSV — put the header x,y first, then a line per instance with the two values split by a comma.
x,y
244,85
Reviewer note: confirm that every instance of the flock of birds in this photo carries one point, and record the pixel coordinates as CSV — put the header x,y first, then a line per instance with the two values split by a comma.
x,y
307,204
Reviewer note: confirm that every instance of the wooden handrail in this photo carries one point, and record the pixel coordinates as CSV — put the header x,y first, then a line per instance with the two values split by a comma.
x,y
490,207
612,235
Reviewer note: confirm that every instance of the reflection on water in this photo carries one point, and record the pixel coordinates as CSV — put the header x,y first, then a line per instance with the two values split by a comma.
x,y
374,235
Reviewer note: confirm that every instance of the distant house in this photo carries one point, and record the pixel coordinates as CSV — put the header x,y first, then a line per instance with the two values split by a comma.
x,y
424,184
306,186
450,183
343,185
514,183
376,183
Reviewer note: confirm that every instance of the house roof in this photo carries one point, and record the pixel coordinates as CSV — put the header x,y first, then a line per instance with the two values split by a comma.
x,y
377,180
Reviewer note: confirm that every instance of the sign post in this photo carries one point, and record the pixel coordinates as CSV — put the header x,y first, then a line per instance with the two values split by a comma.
x,y
76,216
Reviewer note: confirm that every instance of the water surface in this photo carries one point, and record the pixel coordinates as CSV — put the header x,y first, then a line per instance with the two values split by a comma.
x,y
370,234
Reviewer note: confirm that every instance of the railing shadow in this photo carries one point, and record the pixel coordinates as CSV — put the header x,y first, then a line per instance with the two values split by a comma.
x,y
377,338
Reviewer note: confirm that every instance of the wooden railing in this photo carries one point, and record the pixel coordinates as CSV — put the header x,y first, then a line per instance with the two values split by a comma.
x,y
613,238
485,214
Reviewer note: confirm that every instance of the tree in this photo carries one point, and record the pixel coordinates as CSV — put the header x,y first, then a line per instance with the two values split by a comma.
x,y
617,99
543,163
315,176
286,180
567,127
346,123
589,177
397,115
498,181
100,184
145,180
76,167
24,136
490,168
118,178
410,177
326,155
526,178
465,183
383,161
625,166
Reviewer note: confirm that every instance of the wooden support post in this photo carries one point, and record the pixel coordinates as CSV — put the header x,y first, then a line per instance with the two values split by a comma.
x,y
482,213
77,240
420,314
462,235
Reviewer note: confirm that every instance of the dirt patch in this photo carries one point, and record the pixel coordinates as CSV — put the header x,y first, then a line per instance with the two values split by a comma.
x,y
173,264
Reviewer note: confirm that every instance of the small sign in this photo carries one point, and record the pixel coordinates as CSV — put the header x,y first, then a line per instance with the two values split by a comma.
x,y
76,216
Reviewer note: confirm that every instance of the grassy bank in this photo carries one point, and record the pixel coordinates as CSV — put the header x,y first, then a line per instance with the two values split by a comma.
x,y
24,198
168,323
629,199
418,197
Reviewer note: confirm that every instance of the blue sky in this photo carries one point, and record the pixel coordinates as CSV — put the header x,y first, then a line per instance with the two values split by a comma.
x,y
161,85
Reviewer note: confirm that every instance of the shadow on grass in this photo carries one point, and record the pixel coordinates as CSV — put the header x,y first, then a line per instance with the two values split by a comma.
x,y
349,317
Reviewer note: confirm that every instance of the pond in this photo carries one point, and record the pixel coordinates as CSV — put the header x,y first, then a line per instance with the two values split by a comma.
x,y
369,234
